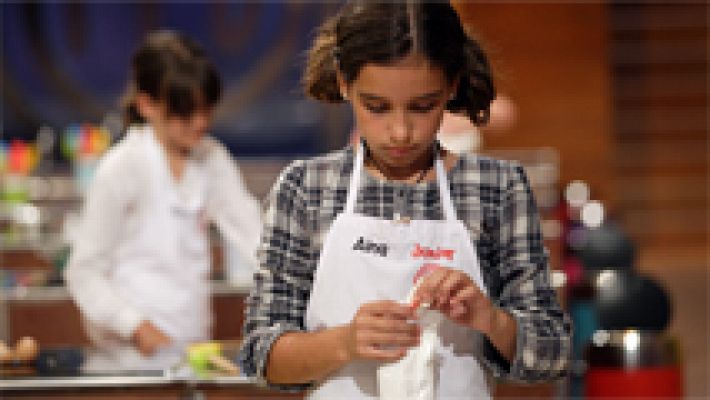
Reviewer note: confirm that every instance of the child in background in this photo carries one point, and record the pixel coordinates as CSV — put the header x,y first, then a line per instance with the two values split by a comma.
x,y
140,264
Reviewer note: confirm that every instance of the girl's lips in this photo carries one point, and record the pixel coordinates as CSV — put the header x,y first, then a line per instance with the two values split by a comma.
x,y
399,151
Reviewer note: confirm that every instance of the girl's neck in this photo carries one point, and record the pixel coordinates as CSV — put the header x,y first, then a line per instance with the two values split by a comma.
x,y
415,172
175,156
176,162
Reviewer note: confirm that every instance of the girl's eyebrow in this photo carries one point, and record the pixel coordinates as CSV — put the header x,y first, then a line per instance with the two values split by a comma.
x,y
425,96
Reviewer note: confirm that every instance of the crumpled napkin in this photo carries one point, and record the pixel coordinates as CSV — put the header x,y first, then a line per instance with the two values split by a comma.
x,y
414,376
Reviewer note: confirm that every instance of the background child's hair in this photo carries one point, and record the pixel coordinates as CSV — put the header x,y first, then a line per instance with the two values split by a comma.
x,y
382,33
170,67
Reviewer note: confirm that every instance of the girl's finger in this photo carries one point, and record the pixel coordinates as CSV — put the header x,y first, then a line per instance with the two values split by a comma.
x,y
388,309
392,326
388,340
450,285
458,310
466,295
387,355
430,285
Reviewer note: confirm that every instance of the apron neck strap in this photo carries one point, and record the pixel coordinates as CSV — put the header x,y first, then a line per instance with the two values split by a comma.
x,y
444,193
355,179
441,179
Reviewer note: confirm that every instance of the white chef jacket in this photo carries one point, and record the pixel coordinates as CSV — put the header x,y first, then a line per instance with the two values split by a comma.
x,y
141,250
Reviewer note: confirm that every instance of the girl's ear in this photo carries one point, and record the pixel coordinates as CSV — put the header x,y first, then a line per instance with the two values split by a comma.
x,y
147,107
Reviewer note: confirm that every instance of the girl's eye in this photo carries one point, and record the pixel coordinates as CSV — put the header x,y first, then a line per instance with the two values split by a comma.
x,y
376,108
422,108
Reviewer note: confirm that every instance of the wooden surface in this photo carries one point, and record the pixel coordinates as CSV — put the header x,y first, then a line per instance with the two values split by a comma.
x,y
660,63
552,60
173,392
169,392
58,323
51,323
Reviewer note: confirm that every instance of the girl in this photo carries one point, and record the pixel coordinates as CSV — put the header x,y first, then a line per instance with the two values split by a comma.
x,y
347,233
140,264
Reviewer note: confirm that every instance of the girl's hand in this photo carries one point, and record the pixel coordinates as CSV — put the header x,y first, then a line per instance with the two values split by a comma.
x,y
148,338
381,330
454,294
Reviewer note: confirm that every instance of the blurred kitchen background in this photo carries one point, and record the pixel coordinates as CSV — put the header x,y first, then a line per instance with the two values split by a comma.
x,y
605,103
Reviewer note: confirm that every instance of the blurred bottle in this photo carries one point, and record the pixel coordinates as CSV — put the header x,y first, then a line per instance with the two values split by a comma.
x,y
45,143
19,158
84,144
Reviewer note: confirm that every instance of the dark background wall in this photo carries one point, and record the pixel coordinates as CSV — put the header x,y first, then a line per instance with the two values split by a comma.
x,y
65,63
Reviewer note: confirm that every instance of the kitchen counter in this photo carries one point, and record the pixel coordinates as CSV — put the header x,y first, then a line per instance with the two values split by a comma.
x,y
215,388
138,385
57,293
119,381
28,311
50,383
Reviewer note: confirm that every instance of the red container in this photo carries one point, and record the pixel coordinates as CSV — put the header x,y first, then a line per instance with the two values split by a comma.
x,y
633,364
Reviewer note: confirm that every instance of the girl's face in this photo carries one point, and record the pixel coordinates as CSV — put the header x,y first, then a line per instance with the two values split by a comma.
x,y
179,134
184,133
398,108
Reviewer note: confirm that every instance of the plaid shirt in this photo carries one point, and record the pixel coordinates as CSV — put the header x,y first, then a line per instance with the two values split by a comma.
x,y
494,200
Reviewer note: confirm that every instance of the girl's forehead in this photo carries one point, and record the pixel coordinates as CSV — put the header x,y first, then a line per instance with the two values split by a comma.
x,y
409,77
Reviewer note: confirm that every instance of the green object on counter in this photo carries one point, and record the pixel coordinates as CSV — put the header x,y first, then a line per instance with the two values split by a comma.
x,y
199,354
14,189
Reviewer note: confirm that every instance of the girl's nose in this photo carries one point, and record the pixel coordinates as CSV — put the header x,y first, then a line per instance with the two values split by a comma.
x,y
401,128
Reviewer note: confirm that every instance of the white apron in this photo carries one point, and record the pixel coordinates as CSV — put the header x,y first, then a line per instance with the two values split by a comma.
x,y
364,259
162,268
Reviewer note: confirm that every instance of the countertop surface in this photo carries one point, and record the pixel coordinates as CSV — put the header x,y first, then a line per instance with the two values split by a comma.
x,y
58,293
146,379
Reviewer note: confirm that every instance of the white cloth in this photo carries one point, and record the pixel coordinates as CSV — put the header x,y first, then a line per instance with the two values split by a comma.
x,y
366,259
414,376
142,247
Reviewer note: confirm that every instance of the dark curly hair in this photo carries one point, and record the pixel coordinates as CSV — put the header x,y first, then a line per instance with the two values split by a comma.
x,y
382,33
171,67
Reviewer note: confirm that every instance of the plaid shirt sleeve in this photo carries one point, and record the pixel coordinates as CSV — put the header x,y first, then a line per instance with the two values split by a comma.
x,y
543,329
277,303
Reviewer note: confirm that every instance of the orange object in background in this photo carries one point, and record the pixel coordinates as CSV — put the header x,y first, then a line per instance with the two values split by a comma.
x,y
21,157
